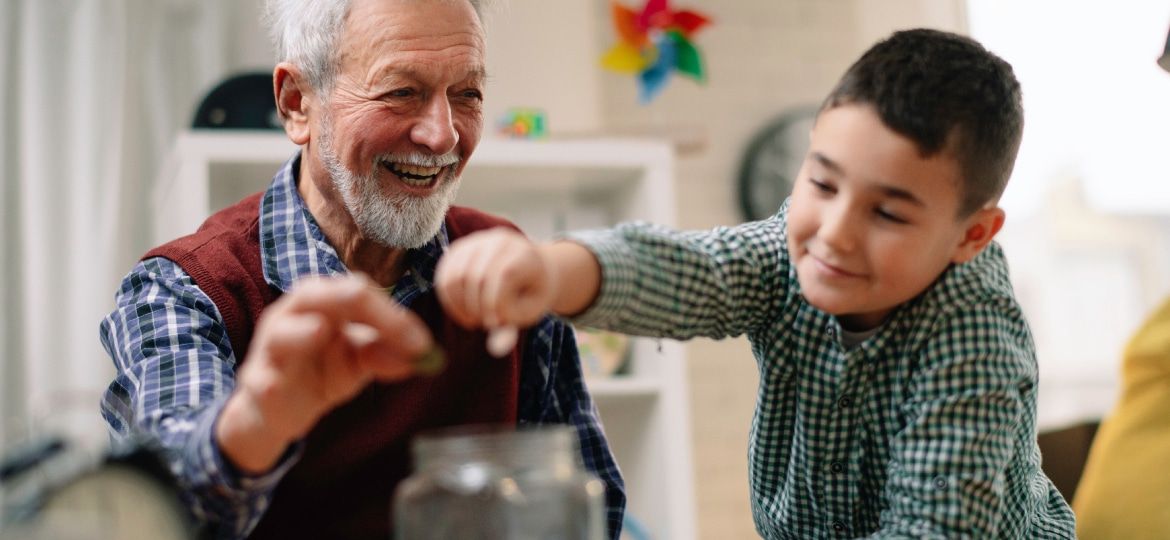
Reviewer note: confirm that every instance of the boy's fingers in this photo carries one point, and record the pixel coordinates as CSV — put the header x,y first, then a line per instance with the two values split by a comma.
x,y
487,274
526,308
473,288
506,273
505,296
453,293
451,281
502,340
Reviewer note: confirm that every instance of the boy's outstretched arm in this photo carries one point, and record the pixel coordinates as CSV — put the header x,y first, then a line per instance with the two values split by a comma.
x,y
498,278
636,278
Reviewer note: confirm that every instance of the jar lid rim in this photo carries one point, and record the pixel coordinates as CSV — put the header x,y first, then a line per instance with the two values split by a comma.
x,y
480,437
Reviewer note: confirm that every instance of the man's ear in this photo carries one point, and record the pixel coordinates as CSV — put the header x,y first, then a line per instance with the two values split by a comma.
x,y
980,228
294,96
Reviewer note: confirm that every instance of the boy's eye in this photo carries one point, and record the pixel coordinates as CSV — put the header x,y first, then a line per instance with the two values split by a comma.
x,y
889,216
822,186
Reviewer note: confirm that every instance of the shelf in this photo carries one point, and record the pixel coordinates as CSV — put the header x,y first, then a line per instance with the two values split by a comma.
x,y
606,153
545,187
619,386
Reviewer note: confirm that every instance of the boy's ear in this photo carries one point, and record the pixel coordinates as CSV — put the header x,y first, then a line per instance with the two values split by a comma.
x,y
981,228
293,99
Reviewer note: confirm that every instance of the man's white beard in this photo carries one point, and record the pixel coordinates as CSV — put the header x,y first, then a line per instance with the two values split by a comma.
x,y
400,220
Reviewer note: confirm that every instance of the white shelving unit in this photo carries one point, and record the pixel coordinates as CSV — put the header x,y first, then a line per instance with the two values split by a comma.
x,y
545,187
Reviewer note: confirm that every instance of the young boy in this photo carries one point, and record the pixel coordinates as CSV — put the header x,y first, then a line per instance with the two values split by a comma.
x,y
897,374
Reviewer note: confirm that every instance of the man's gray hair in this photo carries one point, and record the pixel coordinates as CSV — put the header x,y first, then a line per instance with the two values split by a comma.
x,y
305,33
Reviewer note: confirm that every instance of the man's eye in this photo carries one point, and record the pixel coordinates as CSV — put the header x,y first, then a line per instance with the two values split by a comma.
x,y
473,95
400,93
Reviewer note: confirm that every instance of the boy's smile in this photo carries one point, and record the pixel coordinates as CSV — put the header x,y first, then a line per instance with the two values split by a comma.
x,y
872,223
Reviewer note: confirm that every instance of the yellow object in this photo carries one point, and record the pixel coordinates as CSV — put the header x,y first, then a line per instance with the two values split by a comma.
x,y
625,59
1125,490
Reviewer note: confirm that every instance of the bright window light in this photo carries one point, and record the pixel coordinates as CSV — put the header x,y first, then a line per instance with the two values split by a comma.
x,y
1097,106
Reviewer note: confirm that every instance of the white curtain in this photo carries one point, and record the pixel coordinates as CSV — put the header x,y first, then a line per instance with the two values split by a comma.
x,y
92,93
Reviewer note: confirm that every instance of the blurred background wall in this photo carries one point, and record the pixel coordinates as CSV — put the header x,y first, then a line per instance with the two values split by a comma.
x,y
94,91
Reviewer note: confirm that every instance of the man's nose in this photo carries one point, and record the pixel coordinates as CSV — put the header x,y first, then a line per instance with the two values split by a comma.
x,y
435,128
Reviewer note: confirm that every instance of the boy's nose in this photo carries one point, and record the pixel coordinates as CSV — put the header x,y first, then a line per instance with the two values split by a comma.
x,y
838,229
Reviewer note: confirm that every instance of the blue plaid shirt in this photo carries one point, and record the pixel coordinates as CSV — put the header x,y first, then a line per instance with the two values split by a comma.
x,y
176,366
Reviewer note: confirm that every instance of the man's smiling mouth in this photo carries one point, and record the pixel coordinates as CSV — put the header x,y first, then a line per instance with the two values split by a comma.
x,y
413,175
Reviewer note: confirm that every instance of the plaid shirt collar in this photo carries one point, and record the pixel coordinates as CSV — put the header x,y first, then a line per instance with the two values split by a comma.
x,y
293,246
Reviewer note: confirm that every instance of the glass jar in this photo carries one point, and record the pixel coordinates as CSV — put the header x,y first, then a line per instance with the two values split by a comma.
x,y
497,483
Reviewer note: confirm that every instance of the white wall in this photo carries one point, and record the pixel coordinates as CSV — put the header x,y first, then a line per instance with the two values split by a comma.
x,y
541,54
762,57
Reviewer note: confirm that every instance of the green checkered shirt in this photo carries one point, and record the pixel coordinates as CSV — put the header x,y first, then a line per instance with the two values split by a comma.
x,y
926,429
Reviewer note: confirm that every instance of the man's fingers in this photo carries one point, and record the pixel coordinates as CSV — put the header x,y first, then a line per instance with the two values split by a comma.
x,y
294,335
354,299
387,364
345,331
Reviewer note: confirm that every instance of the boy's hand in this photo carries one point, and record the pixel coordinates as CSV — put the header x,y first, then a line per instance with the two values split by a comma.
x,y
496,279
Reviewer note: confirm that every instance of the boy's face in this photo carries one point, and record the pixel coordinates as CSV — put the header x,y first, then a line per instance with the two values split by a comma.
x,y
871,223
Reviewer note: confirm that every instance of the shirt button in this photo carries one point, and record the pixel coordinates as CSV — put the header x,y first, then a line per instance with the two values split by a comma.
x,y
837,467
829,330
838,526
940,482
844,402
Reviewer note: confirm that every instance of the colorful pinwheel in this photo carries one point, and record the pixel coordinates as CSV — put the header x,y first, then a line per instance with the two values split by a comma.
x,y
653,43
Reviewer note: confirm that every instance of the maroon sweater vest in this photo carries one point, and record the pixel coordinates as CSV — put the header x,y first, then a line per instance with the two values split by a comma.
x,y
353,459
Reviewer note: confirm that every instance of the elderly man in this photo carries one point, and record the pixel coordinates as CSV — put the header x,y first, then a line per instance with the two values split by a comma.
x,y
282,353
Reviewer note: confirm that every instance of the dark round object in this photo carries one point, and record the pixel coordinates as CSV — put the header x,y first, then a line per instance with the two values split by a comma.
x,y
772,160
242,101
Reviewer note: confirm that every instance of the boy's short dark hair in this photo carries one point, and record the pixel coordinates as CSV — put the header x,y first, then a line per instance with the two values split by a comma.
x,y
945,92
